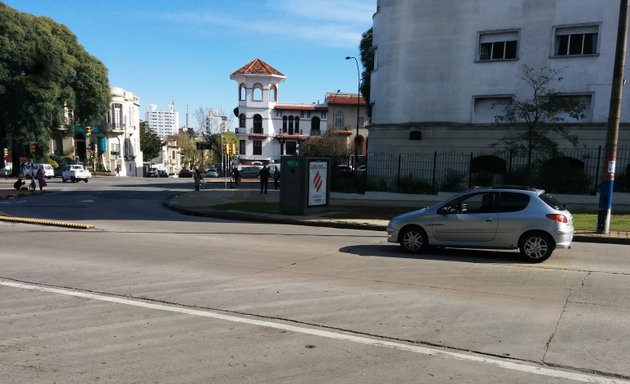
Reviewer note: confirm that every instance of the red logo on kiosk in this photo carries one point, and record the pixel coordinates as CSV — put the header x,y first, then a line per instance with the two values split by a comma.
x,y
317,182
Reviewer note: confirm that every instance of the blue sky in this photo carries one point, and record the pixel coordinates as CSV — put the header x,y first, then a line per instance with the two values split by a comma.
x,y
185,50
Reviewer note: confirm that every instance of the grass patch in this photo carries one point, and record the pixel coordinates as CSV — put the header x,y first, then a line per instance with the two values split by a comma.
x,y
581,221
588,222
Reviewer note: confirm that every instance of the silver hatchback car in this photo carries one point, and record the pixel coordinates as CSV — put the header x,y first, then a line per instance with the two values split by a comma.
x,y
499,217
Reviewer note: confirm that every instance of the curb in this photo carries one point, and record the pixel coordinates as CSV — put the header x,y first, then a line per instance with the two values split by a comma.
x,y
238,215
46,222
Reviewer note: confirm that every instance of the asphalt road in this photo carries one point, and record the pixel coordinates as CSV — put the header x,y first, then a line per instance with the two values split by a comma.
x,y
151,296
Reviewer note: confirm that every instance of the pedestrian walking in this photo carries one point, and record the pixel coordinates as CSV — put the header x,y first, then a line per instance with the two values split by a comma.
x,y
198,179
236,175
41,178
118,170
276,178
263,175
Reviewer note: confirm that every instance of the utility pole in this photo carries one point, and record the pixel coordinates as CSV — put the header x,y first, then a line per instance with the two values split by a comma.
x,y
612,133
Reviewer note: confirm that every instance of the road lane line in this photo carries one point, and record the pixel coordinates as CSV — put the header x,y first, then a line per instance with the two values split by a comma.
x,y
501,363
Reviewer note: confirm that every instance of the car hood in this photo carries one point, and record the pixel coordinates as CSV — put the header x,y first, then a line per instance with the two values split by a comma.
x,y
408,215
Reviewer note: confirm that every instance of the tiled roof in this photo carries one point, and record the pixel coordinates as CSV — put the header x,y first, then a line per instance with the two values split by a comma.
x,y
301,107
257,67
345,100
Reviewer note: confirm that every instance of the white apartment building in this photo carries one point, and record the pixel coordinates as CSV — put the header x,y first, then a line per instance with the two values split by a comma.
x,y
216,121
268,129
118,141
104,147
164,123
443,69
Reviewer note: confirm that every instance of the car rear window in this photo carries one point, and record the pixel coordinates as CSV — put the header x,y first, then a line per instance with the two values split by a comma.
x,y
553,202
513,202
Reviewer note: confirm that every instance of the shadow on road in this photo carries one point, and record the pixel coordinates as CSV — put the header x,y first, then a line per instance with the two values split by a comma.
x,y
439,254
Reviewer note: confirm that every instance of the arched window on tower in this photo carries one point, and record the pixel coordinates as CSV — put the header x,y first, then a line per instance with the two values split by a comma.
x,y
284,124
290,125
242,92
258,128
273,93
257,94
297,125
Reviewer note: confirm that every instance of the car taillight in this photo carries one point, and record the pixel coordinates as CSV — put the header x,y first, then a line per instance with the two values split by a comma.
x,y
558,217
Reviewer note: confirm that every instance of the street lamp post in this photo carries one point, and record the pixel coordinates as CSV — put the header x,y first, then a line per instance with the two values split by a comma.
x,y
356,137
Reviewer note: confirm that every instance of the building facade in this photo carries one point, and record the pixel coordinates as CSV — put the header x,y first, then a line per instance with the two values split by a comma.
x,y
268,129
445,69
164,123
118,142
115,143
347,116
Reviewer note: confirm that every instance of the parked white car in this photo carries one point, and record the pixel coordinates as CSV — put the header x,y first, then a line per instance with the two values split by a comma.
x,y
30,170
74,173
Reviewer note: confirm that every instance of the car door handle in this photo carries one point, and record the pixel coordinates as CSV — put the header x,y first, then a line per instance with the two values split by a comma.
x,y
489,220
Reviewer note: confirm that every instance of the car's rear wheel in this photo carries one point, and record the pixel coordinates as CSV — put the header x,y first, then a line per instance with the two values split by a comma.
x,y
536,247
86,180
413,239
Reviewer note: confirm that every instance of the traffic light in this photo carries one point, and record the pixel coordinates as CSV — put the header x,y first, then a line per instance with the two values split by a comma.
x,y
88,131
228,149
233,149
31,147
5,152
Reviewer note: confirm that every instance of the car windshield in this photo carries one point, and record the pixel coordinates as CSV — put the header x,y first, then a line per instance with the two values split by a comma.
x,y
553,202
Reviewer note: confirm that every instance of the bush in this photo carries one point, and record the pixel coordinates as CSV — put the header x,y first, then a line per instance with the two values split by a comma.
x,y
453,181
59,160
561,176
622,181
408,184
482,179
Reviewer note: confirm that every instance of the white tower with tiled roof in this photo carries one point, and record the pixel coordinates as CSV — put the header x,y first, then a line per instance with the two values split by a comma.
x,y
257,96
268,129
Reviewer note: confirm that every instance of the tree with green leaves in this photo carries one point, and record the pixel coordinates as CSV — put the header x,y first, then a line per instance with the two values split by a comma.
x,y
327,145
150,143
542,114
44,73
367,60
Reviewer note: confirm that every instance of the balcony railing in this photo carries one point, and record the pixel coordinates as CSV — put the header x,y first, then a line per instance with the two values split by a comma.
x,y
250,131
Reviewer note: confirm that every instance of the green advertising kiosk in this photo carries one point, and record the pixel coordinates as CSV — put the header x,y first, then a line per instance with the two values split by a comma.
x,y
305,184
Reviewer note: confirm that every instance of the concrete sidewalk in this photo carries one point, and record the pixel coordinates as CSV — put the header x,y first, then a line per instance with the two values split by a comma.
x,y
202,203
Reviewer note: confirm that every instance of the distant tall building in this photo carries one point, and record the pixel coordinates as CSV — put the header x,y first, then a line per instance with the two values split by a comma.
x,y
164,123
216,122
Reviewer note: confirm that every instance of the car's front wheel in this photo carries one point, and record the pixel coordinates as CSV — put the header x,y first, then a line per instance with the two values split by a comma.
x,y
536,246
413,240
86,180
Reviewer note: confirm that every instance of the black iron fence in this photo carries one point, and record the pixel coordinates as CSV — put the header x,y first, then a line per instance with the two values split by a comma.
x,y
572,170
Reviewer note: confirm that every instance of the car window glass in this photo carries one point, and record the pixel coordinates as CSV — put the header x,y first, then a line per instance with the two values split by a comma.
x,y
513,202
475,203
553,202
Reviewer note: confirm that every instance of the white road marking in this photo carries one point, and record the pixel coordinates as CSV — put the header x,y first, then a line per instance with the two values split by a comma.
x,y
501,363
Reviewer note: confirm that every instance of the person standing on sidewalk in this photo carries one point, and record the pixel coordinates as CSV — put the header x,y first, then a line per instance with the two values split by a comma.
x,y
236,175
263,175
197,179
41,178
276,178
